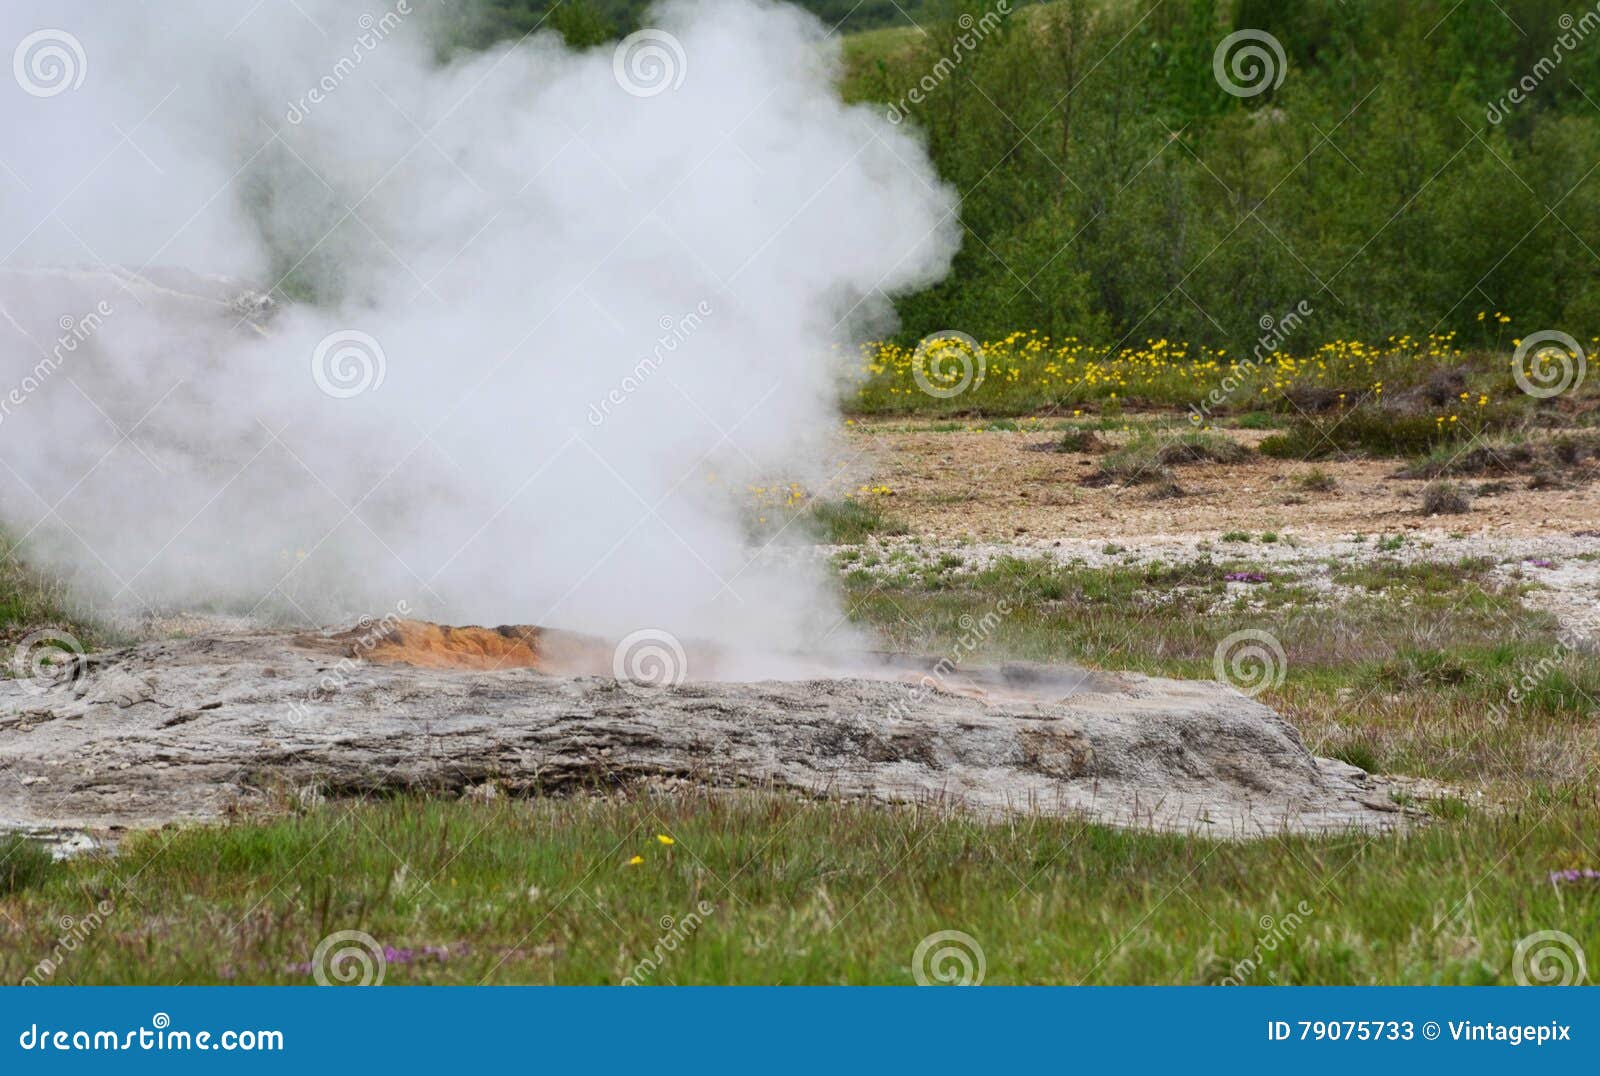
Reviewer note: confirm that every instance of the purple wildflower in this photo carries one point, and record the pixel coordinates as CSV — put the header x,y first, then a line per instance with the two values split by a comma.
x,y
1568,877
1245,577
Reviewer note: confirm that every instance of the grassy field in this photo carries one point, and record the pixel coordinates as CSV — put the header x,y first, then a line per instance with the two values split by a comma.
x,y
757,887
765,889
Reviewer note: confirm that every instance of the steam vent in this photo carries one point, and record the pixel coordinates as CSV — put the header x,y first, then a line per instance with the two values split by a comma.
x,y
202,728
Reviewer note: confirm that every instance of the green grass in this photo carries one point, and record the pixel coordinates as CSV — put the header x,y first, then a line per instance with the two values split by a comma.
x,y
1369,664
851,520
24,863
789,891
30,599
1398,669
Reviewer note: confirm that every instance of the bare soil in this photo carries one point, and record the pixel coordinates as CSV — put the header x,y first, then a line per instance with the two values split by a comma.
x,y
996,486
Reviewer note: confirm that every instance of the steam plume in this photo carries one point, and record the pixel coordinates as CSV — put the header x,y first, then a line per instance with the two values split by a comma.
x,y
555,308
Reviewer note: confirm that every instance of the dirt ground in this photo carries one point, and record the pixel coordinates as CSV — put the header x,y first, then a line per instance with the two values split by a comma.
x,y
999,485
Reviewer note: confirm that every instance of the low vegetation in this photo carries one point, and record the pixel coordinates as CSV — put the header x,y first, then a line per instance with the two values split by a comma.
x,y
1150,457
1403,657
1445,499
756,888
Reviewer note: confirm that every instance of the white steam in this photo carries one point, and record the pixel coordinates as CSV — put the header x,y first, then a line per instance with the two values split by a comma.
x,y
565,305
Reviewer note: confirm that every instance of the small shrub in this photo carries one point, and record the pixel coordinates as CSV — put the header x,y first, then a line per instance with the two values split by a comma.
x,y
1080,440
1202,448
1317,480
1444,499
1150,458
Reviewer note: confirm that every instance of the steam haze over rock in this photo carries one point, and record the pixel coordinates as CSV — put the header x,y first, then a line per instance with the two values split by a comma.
x,y
551,318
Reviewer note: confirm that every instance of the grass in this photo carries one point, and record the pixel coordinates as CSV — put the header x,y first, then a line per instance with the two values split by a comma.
x,y
788,891
850,520
1149,457
24,863
30,600
847,520
1346,651
1397,667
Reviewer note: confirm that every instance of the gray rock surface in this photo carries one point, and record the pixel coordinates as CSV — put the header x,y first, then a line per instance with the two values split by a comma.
x,y
195,730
